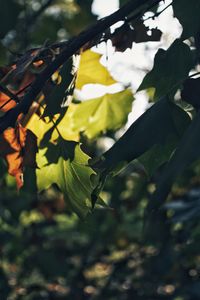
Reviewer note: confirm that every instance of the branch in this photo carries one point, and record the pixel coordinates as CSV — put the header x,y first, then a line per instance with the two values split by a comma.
x,y
72,46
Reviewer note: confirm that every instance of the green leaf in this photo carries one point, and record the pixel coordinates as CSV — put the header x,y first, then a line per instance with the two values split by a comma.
x,y
92,71
186,153
55,99
187,14
45,129
102,114
170,68
158,154
67,165
154,127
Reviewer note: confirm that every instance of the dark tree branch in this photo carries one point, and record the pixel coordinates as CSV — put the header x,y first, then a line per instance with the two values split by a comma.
x,y
72,46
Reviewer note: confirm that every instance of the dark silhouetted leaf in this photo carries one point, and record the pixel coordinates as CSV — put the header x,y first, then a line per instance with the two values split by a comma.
x,y
191,92
170,68
57,96
154,127
159,154
124,36
186,12
142,33
186,153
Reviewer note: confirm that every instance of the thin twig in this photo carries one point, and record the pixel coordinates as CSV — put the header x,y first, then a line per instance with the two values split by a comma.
x,y
158,13
194,74
140,14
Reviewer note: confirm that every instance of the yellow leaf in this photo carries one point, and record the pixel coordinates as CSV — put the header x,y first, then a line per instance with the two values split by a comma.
x,y
96,116
92,71
42,126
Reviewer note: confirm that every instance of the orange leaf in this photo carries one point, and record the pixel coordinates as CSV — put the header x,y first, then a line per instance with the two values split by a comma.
x,y
18,146
16,140
5,102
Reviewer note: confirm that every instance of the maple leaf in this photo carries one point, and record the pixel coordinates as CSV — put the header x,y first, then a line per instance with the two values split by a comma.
x,y
18,148
101,114
124,36
92,71
15,139
69,169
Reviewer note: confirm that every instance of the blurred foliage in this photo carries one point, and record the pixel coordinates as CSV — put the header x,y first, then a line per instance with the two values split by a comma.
x,y
121,250
42,21
48,253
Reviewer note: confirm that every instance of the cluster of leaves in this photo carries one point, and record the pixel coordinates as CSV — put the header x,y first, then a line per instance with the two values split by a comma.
x,y
52,128
53,123
49,149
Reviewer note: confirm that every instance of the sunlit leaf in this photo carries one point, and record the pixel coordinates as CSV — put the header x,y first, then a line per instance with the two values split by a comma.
x,y
92,117
92,71
15,139
106,113
18,146
67,165
44,126
6,103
